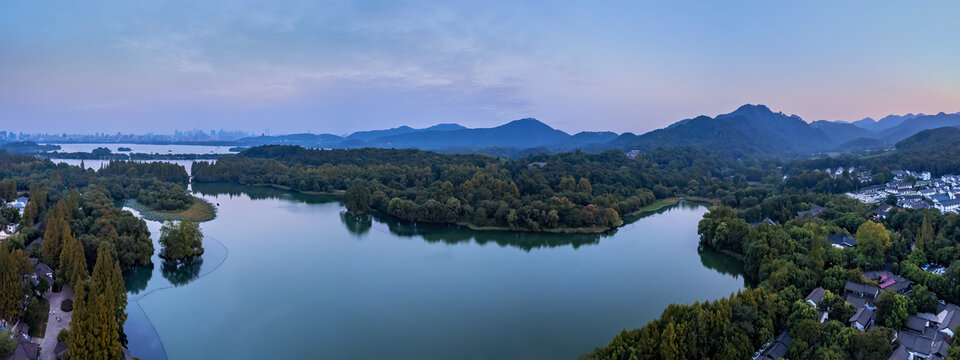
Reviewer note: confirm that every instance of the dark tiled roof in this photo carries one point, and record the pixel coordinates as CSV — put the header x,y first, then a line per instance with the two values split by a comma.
x,y
778,348
856,301
25,351
916,323
862,317
861,288
900,353
816,295
815,210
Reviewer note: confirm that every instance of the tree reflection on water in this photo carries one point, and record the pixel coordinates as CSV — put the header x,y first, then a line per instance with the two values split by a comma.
x,y
181,272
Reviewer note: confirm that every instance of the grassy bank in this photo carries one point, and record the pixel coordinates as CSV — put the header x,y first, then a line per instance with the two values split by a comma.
x,y
671,201
199,211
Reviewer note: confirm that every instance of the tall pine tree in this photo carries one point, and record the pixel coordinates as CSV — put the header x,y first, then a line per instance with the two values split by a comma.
x,y
57,225
11,288
925,233
97,318
108,280
73,264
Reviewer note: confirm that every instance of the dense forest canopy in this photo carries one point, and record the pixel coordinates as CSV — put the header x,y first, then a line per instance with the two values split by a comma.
x,y
569,191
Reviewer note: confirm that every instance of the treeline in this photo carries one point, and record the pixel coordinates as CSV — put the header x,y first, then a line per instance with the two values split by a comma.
x,y
162,186
165,196
537,193
107,155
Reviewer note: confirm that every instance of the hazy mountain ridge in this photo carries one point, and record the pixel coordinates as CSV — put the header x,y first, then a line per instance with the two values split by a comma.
x,y
841,132
523,133
749,130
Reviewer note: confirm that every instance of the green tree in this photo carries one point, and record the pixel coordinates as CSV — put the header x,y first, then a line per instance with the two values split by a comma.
x,y
58,227
11,288
30,213
358,197
873,240
8,344
73,263
179,240
925,233
94,332
923,299
107,279
584,187
11,214
834,278
892,309
669,349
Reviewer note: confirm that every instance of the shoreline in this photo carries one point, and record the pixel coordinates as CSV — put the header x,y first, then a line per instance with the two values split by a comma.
x,y
200,211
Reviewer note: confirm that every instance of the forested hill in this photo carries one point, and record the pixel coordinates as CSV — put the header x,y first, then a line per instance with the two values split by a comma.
x,y
751,129
933,150
947,138
299,156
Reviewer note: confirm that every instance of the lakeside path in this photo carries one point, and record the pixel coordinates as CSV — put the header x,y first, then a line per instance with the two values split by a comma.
x,y
49,341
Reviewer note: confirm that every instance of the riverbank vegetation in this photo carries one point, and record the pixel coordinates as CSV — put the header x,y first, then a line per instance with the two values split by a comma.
x,y
570,192
180,240
199,210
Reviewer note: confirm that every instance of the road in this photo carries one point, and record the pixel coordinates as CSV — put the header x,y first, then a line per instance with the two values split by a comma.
x,y
49,341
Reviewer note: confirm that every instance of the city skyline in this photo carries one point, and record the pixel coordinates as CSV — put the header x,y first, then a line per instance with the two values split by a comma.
x,y
339,67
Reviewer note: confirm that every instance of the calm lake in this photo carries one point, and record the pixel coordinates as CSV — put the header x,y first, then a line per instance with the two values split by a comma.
x,y
293,276
147,148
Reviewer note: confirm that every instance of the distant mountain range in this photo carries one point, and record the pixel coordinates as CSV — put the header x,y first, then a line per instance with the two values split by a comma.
x,y
749,130
516,135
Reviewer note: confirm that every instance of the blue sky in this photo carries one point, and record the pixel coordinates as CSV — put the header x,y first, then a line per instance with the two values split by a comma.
x,y
341,66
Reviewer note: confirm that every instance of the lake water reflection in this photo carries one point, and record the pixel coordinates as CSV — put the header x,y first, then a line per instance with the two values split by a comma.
x,y
298,277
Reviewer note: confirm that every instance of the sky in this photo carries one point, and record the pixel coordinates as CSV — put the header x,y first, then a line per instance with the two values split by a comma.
x,y
341,66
